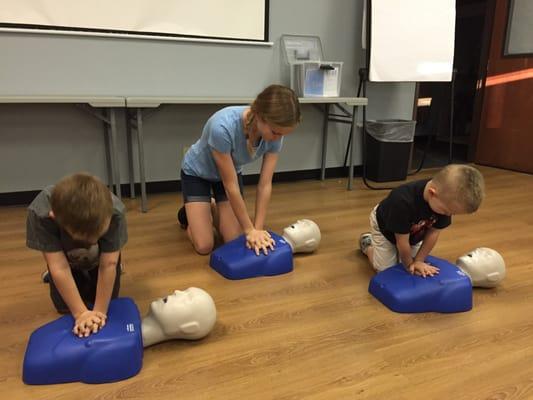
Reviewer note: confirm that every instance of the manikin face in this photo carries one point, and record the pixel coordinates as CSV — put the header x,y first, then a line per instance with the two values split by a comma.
x,y
485,267
304,235
188,314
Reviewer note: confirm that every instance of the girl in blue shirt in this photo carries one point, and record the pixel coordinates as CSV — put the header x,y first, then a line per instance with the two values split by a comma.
x,y
231,138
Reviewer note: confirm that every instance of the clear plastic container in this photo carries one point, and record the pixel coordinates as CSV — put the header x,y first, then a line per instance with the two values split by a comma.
x,y
310,75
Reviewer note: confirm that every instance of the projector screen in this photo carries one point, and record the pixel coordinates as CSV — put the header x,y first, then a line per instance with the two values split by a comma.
x,y
245,20
411,40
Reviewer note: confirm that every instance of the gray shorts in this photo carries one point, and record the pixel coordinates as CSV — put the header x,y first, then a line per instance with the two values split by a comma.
x,y
385,253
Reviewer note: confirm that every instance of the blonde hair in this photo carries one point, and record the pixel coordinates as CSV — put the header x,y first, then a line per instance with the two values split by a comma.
x,y
277,105
462,184
82,204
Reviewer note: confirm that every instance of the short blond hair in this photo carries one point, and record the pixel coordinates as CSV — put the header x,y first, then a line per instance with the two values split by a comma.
x,y
462,184
82,204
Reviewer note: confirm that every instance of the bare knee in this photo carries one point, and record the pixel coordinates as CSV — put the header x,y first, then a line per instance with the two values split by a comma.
x,y
203,247
202,240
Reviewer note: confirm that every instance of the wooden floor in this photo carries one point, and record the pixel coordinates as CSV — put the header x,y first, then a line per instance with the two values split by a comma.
x,y
315,333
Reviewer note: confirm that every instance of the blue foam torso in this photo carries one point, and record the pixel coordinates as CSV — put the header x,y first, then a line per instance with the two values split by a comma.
x,y
234,260
449,291
55,355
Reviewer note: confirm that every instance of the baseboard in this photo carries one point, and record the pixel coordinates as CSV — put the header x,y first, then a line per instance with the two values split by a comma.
x,y
26,197
18,198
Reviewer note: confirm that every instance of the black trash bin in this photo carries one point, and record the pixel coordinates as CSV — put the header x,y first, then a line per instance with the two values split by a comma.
x,y
388,146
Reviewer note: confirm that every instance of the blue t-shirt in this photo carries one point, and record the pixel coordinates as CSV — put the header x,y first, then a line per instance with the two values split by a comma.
x,y
224,132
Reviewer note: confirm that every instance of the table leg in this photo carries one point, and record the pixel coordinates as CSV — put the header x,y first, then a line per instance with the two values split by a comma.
x,y
140,146
325,124
114,154
352,146
130,153
109,163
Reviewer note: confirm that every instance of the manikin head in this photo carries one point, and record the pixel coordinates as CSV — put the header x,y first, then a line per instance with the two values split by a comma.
x,y
303,236
484,266
187,314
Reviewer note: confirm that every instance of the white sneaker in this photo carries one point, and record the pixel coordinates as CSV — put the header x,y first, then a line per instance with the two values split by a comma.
x,y
365,240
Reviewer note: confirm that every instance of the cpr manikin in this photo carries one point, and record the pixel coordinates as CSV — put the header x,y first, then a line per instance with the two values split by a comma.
x,y
303,236
188,314
55,355
234,260
485,267
451,290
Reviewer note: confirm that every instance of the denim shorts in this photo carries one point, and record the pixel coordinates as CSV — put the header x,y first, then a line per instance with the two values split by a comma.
x,y
195,189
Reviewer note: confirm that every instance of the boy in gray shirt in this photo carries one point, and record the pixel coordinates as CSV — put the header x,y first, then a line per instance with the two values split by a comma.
x,y
80,227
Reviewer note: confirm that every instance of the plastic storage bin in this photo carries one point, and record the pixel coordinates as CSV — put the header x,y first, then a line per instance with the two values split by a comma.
x,y
310,75
318,79
388,147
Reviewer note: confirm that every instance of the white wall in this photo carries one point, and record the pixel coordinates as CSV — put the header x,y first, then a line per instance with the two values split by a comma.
x,y
41,143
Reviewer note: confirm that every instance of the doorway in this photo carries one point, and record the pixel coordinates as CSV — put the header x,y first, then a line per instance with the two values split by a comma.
x,y
432,106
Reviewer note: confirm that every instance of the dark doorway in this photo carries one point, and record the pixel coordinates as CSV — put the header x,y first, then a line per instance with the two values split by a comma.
x,y
433,99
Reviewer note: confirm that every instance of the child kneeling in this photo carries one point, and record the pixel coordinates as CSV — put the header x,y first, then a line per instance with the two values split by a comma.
x,y
80,227
405,226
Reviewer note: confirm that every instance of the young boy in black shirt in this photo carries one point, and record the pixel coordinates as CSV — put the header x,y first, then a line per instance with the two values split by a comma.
x,y
405,226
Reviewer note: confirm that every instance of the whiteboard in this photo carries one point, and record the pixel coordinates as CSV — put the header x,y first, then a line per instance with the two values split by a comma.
x,y
214,19
411,40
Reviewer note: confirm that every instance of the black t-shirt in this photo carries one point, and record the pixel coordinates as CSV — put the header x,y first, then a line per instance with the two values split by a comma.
x,y
404,210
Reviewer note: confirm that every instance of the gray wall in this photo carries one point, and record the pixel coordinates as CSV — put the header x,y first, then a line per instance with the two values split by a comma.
x,y
41,143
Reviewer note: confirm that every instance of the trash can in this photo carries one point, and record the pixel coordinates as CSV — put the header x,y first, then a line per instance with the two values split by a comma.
x,y
388,147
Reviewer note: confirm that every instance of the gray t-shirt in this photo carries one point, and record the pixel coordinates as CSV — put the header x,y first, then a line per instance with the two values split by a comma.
x,y
44,234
